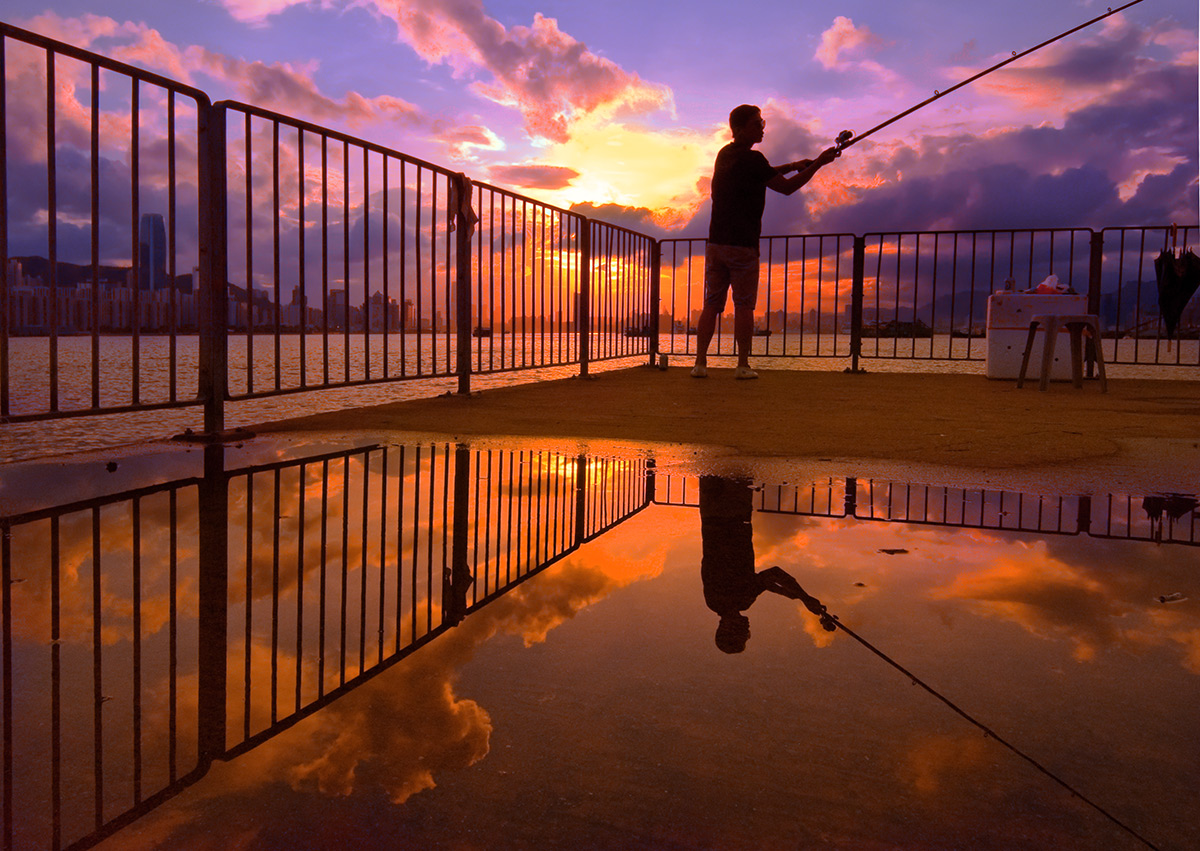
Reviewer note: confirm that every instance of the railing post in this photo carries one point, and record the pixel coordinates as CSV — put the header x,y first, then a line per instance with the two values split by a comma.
x,y
462,283
214,267
850,503
580,499
1095,267
856,301
655,297
584,311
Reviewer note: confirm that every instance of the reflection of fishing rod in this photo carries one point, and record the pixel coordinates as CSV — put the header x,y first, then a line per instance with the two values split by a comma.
x,y
830,623
847,138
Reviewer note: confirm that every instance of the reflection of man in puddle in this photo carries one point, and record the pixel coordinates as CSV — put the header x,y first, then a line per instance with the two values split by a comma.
x,y
731,584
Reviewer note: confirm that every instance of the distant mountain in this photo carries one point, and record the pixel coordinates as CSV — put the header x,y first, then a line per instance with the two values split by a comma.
x,y
71,275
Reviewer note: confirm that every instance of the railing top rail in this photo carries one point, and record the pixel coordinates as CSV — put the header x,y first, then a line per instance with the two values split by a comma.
x,y
766,236
32,38
969,231
511,194
328,132
600,223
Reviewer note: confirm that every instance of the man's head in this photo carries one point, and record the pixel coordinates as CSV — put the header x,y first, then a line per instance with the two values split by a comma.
x,y
732,633
746,123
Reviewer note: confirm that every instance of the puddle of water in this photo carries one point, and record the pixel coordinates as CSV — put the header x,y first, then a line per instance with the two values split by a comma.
x,y
436,645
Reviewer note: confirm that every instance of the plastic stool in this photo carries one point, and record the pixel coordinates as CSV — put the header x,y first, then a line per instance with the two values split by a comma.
x,y
1075,324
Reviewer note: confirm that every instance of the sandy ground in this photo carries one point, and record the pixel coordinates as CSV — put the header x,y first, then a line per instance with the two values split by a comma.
x,y
1142,431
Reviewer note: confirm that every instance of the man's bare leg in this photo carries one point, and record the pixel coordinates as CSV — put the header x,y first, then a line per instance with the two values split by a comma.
x,y
705,326
743,333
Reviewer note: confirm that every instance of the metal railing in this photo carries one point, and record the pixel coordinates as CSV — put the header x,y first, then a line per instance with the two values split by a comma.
x,y
110,162
924,295
166,252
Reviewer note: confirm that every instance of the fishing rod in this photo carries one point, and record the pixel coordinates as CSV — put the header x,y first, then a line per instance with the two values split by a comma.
x,y
847,138
831,623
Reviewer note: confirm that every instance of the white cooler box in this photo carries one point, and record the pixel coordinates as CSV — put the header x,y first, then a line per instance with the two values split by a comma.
x,y
1008,316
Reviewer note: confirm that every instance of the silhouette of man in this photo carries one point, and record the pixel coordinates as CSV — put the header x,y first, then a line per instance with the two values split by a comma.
x,y
731,584
740,179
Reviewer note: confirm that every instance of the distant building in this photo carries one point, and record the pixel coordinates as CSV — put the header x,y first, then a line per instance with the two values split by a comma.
x,y
152,253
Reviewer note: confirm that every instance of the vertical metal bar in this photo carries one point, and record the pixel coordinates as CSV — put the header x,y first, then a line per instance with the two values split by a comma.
x,y
362,569
275,512
403,275
383,526
94,167
345,559
345,280
214,265
6,647
324,270
249,212
137,649
1095,281
387,300
52,220
856,299
584,295
323,583
173,635
173,298
302,322
97,680
135,250
5,306
248,619
302,501
275,250
417,275
55,688
399,548
656,296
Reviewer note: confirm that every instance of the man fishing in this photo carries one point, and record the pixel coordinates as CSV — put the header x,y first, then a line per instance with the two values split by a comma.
x,y
740,179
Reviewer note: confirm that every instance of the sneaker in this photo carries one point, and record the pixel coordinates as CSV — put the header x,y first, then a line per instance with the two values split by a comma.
x,y
744,372
699,371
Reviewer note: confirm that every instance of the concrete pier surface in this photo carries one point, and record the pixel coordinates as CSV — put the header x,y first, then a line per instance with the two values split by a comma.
x,y
1143,431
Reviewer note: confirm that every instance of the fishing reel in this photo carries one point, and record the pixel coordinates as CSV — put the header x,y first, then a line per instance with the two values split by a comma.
x,y
843,139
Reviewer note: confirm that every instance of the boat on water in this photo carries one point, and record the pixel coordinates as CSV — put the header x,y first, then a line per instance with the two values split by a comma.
x,y
480,331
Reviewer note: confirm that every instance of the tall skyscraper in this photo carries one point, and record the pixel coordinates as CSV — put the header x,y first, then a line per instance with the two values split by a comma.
x,y
152,250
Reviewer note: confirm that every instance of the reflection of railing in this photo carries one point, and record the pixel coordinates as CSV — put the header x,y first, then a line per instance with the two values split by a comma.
x,y
1171,519
149,632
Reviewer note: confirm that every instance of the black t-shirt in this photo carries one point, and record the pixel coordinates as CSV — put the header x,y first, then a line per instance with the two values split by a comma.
x,y
739,193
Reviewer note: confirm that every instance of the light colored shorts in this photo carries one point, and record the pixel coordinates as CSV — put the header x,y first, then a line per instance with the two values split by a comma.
x,y
730,267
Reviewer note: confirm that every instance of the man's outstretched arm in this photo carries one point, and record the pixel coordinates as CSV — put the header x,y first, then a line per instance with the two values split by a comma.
x,y
805,169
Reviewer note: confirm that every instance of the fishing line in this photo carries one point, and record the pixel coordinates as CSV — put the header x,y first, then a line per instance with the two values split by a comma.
x,y
828,619
847,138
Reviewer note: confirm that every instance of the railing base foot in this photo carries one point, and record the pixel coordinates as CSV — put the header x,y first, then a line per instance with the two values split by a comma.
x,y
209,437
850,370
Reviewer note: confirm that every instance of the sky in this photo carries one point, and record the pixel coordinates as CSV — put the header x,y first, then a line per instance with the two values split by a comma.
x,y
617,109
